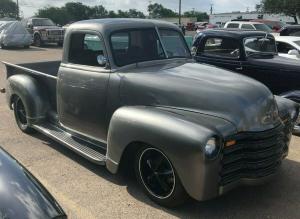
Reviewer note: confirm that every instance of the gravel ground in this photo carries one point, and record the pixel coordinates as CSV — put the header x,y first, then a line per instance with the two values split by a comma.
x,y
89,191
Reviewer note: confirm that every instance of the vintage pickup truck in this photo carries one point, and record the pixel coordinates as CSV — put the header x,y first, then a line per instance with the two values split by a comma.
x,y
189,130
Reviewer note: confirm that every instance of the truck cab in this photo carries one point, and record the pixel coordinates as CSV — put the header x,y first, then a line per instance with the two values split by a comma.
x,y
127,92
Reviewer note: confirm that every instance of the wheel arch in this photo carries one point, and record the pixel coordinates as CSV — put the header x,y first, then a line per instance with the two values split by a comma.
x,y
32,95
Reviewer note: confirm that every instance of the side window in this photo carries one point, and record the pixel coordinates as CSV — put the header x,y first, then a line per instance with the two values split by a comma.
x,y
85,49
233,25
283,47
247,27
227,48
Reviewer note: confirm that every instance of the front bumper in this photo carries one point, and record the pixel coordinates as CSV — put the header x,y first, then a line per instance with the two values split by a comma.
x,y
52,39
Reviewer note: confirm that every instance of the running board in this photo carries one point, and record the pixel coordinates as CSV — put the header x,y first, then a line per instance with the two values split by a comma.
x,y
76,144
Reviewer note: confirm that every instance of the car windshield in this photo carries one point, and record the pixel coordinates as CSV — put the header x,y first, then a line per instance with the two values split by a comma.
x,y
259,45
42,22
139,45
297,42
262,27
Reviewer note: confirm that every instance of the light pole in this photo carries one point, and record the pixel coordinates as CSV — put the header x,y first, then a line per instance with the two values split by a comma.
x,y
180,12
18,10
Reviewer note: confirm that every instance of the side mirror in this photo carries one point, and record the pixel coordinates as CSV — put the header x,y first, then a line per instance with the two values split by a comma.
x,y
101,60
294,52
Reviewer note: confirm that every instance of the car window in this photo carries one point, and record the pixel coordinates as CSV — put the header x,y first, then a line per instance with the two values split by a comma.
x,y
136,45
248,27
284,47
262,27
260,45
85,49
233,25
174,43
228,48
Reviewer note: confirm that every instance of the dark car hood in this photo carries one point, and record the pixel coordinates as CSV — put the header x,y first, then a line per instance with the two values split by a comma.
x,y
276,62
246,103
21,195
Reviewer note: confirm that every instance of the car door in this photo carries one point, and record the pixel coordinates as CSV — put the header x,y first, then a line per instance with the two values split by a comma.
x,y
220,51
82,86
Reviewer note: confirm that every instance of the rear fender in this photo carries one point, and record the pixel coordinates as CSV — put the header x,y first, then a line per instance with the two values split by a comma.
x,y
32,95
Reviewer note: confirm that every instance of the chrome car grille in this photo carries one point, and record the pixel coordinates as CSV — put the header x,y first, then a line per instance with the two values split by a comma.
x,y
255,155
55,32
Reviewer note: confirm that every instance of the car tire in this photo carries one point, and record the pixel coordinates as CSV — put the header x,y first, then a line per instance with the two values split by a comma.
x,y
21,116
2,46
158,178
37,41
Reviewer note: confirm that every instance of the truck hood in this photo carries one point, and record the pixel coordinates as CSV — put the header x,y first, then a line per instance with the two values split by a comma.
x,y
47,28
244,102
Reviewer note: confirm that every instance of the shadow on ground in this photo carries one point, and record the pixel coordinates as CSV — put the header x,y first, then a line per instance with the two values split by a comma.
x,y
279,198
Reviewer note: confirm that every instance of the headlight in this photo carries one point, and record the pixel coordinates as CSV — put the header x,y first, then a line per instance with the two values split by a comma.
x,y
43,32
193,50
212,148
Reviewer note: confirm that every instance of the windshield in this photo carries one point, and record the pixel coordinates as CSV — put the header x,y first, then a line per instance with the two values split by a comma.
x,y
42,22
262,27
139,45
259,45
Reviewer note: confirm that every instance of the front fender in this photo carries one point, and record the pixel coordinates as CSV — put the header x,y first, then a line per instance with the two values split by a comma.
x,y
31,94
181,139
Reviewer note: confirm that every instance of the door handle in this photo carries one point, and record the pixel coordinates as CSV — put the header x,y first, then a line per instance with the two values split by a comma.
x,y
239,68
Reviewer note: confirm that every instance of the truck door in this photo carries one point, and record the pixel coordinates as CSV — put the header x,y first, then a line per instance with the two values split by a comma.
x,y
82,85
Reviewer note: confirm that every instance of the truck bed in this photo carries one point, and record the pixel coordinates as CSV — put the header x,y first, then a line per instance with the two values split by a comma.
x,y
44,72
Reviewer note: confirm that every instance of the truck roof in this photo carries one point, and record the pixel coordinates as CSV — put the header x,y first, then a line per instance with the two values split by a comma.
x,y
113,24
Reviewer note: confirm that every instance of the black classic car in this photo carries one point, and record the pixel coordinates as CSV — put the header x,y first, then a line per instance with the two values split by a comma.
x,y
128,92
290,30
22,195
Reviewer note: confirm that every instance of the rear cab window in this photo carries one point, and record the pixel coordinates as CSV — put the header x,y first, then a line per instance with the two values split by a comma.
x,y
221,47
85,49
247,27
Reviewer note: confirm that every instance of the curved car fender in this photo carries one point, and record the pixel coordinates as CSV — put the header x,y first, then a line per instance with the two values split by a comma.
x,y
287,106
181,140
292,95
32,95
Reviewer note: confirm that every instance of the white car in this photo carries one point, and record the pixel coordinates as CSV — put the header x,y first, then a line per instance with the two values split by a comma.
x,y
247,25
288,46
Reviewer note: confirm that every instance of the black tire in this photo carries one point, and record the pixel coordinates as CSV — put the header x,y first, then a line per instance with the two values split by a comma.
x,y
37,41
158,178
21,116
2,46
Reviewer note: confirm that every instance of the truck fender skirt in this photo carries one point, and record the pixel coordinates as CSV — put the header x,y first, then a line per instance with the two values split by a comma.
x,y
182,141
32,95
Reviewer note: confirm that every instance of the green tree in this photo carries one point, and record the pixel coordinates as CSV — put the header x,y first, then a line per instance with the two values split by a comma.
x,y
8,8
287,7
98,12
58,15
77,11
201,16
158,11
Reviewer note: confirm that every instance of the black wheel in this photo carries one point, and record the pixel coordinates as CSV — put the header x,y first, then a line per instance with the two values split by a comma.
x,y
21,116
158,178
37,41
2,46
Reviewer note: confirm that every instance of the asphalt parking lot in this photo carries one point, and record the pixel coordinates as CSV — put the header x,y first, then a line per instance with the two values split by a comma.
x,y
88,191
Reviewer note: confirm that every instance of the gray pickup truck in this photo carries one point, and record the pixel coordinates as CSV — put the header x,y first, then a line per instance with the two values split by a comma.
x,y
127,92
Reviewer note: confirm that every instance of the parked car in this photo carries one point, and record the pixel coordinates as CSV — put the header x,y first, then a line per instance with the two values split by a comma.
x,y
44,31
247,25
22,195
276,26
139,99
13,34
288,46
291,30
251,53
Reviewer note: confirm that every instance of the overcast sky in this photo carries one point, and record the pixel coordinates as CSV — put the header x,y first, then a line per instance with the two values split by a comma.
x,y
29,7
